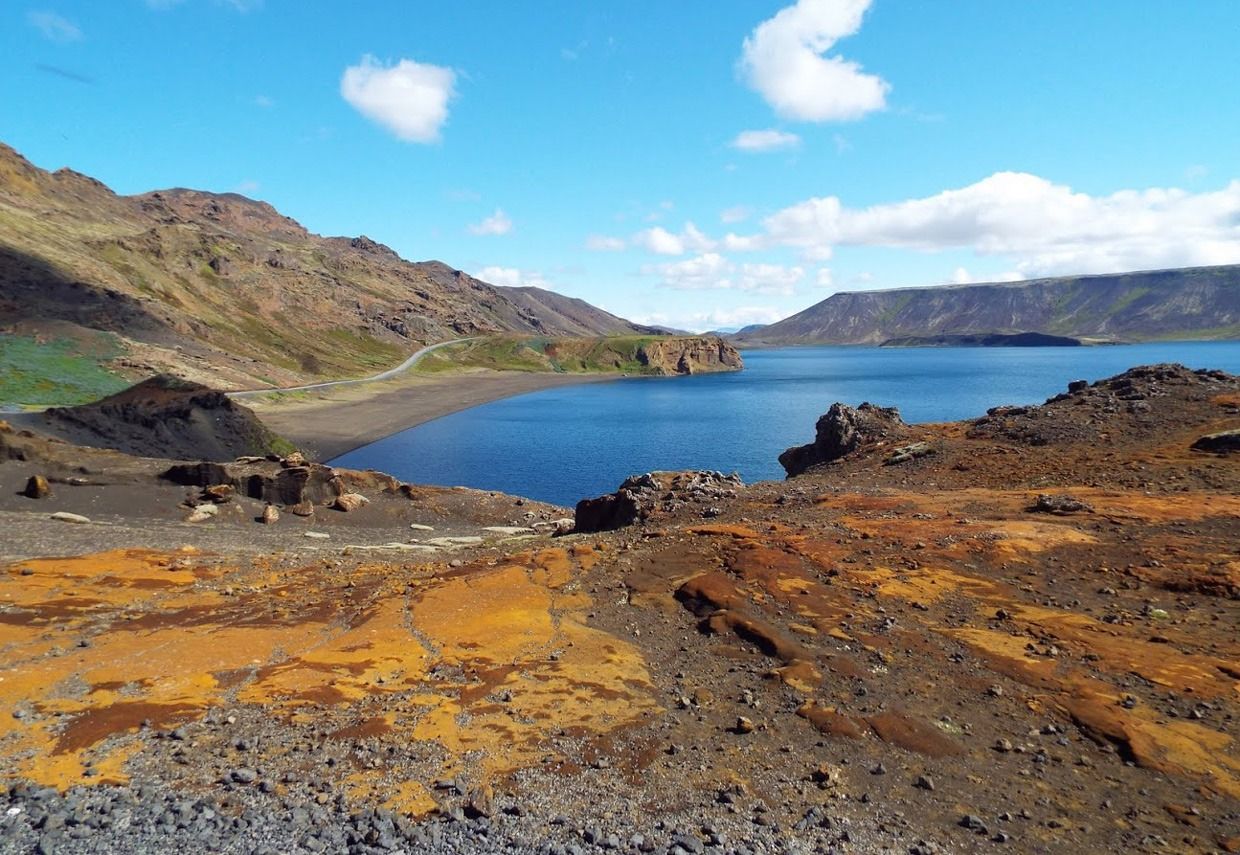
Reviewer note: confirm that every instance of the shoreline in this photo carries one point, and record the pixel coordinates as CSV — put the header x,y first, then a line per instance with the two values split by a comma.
x,y
327,424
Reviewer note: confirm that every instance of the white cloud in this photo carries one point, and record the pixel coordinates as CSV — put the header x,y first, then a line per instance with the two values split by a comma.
x,y
743,243
784,60
512,277
712,271
961,276
768,140
769,278
409,98
735,214
1045,228
54,27
659,240
264,101
662,242
603,243
498,223
741,316
247,187
824,278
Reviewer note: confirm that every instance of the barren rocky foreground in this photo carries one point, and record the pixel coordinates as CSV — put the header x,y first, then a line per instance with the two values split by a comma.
x,y
1015,634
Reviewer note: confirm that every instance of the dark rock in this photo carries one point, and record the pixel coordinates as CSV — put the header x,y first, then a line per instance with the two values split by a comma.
x,y
642,497
1224,442
166,416
843,430
1059,504
37,488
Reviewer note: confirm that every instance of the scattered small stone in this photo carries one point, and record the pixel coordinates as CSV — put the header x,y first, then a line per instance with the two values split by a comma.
x,y
924,782
37,488
743,725
65,516
270,515
973,823
350,502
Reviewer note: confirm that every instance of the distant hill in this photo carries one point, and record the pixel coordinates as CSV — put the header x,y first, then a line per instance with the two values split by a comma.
x,y
229,292
1196,302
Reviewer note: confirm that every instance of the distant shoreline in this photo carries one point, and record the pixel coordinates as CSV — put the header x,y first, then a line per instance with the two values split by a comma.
x,y
330,423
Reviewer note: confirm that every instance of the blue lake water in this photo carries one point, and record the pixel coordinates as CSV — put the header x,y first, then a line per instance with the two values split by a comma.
x,y
565,444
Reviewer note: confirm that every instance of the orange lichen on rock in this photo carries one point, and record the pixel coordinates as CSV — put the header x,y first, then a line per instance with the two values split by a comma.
x,y
307,641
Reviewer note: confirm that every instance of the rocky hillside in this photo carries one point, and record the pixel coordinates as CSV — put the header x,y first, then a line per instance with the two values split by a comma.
x,y
229,292
653,355
1192,303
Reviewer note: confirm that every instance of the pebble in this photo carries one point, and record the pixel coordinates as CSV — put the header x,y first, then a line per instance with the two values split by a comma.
x,y
65,516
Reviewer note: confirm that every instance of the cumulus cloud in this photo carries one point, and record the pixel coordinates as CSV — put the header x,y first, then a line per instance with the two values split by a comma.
x,y
785,60
712,271
409,98
735,214
498,223
512,277
824,278
1046,228
662,242
54,27
768,140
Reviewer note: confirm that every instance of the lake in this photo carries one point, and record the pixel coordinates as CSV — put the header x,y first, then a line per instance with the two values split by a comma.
x,y
565,444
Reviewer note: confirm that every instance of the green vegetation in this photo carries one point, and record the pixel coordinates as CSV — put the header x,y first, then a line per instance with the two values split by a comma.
x,y
57,372
605,355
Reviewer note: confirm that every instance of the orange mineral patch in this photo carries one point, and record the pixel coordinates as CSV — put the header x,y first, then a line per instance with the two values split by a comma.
x,y
303,644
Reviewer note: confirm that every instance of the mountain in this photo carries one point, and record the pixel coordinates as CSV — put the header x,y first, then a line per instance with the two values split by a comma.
x,y
1196,302
227,291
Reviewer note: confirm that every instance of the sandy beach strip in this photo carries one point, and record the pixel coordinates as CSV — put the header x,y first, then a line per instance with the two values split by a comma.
x,y
328,423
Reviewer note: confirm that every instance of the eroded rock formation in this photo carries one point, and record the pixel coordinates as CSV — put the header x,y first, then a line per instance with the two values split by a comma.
x,y
843,430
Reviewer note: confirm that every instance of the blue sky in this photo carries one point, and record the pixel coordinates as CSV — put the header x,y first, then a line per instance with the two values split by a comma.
x,y
699,164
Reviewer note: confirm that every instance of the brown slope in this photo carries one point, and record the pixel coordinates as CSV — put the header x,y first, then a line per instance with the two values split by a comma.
x,y
228,291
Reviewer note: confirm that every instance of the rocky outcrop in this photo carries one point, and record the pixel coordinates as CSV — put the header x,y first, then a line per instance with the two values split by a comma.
x,y
166,416
843,430
643,497
689,355
1223,442
271,481
1126,404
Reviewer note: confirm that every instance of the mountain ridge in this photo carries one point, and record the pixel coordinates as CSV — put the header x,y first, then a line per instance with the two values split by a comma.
x,y
1193,302
230,292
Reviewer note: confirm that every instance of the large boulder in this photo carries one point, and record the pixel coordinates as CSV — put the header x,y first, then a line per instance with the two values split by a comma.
x,y
843,430
642,497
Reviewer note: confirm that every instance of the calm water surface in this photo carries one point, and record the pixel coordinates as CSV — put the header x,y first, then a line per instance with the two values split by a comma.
x,y
562,445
